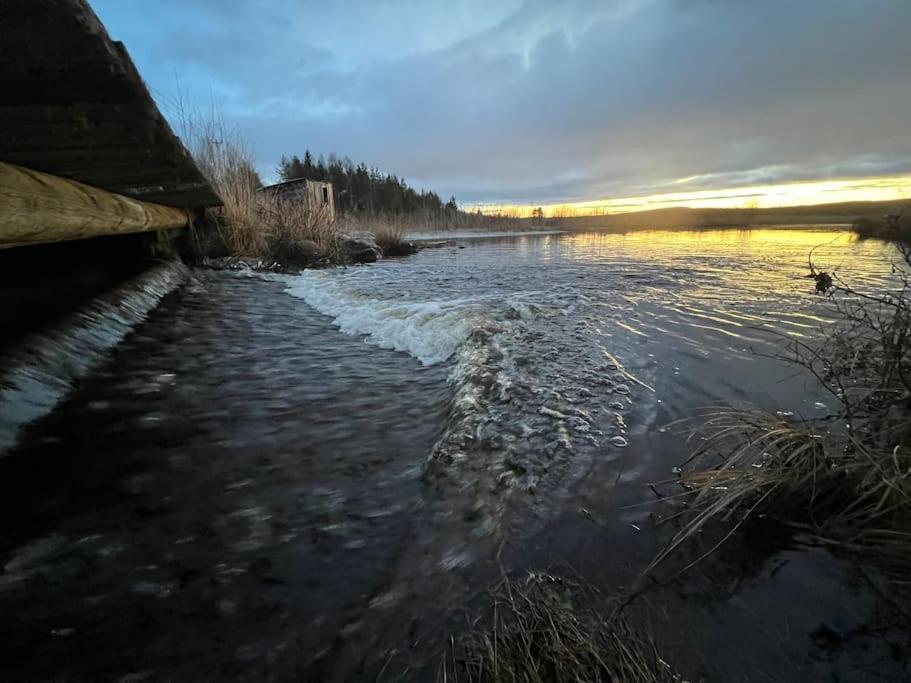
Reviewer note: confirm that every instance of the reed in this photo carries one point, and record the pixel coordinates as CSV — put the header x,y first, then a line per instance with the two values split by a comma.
x,y
388,231
543,628
251,223
828,484
291,223
844,480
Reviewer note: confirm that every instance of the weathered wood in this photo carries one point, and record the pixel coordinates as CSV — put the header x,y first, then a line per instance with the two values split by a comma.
x,y
317,194
36,207
72,104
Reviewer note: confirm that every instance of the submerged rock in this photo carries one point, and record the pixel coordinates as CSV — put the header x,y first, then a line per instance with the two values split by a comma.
x,y
403,248
368,255
242,263
298,253
358,250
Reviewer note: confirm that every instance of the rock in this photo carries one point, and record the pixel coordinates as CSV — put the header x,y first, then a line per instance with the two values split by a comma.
x,y
368,255
402,248
438,244
241,263
358,249
296,252
305,252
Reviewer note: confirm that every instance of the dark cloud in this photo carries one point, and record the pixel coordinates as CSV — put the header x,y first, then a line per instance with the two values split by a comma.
x,y
548,101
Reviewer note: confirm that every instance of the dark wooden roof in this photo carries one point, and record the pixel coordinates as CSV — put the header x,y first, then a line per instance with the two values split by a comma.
x,y
73,104
292,185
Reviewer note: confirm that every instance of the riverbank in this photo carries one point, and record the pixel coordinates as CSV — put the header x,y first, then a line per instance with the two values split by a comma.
x,y
431,236
321,475
685,218
287,232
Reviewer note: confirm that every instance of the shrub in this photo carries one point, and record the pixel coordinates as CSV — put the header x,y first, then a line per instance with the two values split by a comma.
x,y
252,223
390,237
846,481
544,628
868,227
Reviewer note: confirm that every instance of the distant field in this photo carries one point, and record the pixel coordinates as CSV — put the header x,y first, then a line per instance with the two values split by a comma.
x,y
686,218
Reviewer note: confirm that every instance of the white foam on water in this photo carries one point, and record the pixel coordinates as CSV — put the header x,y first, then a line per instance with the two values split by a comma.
x,y
42,369
527,376
494,390
431,331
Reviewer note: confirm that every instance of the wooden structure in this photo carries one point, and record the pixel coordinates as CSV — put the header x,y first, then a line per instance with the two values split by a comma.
x,y
317,194
37,207
87,151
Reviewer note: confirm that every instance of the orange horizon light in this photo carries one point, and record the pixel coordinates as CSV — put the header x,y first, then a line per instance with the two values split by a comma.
x,y
806,193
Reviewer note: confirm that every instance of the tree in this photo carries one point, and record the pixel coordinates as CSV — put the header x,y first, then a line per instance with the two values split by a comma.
x,y
563,211
359,188
308,164
290,169
748,212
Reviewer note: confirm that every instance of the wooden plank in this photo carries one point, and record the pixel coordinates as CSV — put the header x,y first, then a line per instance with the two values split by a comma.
x,y
37,207
72,104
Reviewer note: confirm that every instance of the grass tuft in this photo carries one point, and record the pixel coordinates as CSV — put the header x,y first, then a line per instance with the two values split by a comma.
x,y
844,480
251,223
831,486
543,628
390,236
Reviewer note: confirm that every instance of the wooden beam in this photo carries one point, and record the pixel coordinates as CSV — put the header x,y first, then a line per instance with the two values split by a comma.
x,y
73,104
36,207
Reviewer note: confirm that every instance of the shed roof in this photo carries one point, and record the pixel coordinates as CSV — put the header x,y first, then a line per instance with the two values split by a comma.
x,y
73,104
291,183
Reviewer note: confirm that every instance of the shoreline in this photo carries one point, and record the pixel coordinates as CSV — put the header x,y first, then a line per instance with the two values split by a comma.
x,y
152,395
480,234
446,236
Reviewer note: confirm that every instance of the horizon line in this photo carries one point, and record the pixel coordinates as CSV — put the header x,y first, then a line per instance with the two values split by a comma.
x,y
752,197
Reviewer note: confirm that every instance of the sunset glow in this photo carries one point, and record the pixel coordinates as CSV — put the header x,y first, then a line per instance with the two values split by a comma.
x,y
601,106
760,196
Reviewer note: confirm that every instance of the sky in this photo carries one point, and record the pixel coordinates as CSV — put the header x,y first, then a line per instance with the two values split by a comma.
x,y
601,103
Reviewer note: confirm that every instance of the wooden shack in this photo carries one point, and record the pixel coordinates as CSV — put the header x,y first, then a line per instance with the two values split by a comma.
x,y
317,194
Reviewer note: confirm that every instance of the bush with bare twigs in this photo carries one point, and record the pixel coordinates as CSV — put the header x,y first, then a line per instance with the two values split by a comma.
x,y
251,223
895,227
845,480
543,628
390,236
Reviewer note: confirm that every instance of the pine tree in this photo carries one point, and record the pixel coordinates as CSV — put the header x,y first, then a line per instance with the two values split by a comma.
x,y
362,188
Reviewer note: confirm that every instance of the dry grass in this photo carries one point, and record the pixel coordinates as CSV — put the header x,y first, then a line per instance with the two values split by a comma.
x,y
251,223
227,164
389,236
845,480
544,628
289,222
388,230
827,483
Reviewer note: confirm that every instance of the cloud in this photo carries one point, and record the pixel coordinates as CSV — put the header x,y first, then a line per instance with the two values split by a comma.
x,y
548,101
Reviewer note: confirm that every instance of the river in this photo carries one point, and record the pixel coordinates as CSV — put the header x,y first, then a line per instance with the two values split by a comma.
x,y
313,476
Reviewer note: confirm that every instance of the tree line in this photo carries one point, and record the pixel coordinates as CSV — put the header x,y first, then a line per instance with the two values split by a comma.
x,y
359,188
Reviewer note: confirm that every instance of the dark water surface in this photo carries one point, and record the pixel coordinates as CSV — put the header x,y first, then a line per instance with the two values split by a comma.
x,y
312,476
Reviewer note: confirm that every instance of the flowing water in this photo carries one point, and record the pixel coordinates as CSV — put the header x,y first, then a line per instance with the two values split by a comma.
x,y
312,476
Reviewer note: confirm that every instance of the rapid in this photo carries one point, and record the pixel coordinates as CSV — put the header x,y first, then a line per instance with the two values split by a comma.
x,y
315,475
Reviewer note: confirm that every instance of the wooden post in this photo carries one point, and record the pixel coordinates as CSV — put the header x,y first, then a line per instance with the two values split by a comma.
x,y
36,207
